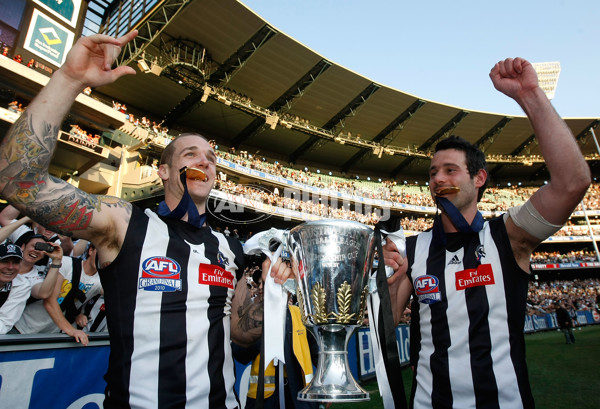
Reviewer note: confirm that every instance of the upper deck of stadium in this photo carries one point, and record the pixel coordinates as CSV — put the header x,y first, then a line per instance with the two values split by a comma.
x,y
216,67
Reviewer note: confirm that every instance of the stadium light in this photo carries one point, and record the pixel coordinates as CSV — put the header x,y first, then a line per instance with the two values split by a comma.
x,y
143,66
548,73
156,69
206,94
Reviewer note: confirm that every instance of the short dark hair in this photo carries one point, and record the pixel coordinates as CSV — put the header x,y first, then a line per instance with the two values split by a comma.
x,y
474,157
167,154
89,249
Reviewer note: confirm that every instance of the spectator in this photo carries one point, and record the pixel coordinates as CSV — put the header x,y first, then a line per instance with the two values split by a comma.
x,y
40,278
14,289
13,106
565,323
78,282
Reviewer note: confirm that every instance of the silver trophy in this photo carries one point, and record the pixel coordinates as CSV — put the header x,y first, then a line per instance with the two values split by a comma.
x,y
332,260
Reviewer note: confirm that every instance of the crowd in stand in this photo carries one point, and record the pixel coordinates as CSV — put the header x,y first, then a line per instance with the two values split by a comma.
x,y
578,294
82,134
15,106
554,257
154,130
495,198
317,207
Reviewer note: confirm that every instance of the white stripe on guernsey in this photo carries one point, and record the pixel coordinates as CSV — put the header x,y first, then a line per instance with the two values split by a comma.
x,y
424,377
146,326
461,378
228,370
508,390
199,386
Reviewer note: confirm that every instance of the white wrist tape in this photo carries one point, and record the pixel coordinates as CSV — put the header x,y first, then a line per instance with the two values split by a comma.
x,y
529,219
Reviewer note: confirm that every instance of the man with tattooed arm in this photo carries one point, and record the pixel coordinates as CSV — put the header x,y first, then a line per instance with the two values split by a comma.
x,y
170,282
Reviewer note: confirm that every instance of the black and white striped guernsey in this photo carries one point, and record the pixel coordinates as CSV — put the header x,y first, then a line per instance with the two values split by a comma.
x,y
168,303
468,315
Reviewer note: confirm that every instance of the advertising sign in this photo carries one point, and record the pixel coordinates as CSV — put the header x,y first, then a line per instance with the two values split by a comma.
x,y
48,39
365,367
66,10
69,378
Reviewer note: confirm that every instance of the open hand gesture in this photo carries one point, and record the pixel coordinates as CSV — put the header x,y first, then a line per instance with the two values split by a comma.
x,y
89,61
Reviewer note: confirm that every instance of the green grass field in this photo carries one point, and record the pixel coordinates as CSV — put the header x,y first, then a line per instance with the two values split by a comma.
x,y
562,376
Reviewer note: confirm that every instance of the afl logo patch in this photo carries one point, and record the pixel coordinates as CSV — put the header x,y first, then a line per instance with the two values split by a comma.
x,y
427,289
160,274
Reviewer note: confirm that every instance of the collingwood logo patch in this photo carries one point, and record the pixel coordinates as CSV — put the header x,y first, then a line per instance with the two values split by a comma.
x,y
480,252
222,260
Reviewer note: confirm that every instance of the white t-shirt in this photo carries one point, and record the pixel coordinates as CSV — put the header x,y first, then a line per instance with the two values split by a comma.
x,y
35,275
14,305
35,318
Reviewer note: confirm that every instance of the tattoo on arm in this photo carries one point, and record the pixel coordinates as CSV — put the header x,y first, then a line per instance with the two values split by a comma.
x,y
71,210
251,313
25,157
24,181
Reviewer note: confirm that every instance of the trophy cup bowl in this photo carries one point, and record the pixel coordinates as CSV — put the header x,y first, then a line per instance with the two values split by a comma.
x,y
332,260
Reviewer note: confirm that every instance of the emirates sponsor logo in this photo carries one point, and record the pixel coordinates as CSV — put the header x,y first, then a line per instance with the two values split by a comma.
x,y
210,274
475,277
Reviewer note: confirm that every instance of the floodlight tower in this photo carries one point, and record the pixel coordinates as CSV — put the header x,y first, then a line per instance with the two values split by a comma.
x,y
548,73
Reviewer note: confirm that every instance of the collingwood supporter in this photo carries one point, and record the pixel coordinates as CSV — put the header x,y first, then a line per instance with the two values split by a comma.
x,y
14,289
95,313
41,277
61,312
170,282
467,343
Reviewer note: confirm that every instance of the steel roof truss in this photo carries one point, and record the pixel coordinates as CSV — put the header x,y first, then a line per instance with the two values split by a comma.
x,y
284,103
396,125
443,131
237,60
150,28
349,110
489,137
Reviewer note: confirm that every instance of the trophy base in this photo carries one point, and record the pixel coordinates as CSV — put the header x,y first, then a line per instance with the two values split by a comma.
x,y
327,395
333,381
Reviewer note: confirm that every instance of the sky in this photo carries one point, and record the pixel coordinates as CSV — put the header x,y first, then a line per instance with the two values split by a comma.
x,y
443,50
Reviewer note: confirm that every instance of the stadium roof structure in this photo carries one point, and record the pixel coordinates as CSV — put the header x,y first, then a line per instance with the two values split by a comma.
x,y
197,54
